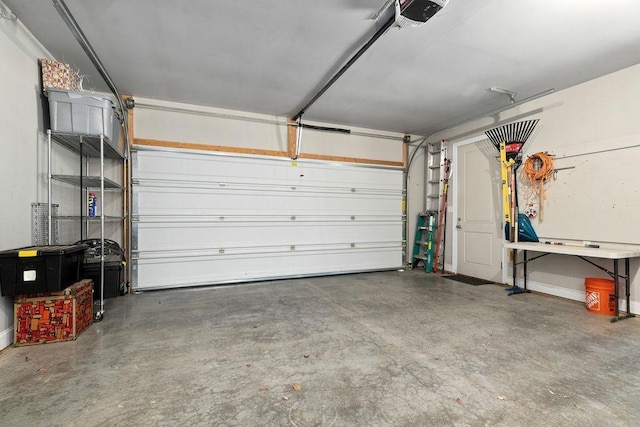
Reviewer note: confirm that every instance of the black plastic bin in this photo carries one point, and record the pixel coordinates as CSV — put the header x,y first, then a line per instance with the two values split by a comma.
x,y
40,269
113,284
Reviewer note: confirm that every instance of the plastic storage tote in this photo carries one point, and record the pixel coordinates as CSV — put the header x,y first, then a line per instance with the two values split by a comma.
x,y
113,267
113,283
40,269
78,112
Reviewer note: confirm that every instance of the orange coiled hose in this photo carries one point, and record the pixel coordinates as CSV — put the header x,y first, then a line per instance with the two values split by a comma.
x,y
538,170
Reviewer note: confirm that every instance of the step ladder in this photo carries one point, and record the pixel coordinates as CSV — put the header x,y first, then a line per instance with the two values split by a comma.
x,y
424,241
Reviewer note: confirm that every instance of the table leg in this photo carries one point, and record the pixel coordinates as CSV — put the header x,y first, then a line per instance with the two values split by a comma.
x,y
627,290
524,278
615,290
514,262
628,287
514,288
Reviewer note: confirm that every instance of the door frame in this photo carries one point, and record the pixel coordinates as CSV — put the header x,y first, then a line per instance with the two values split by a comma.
x,y
455,145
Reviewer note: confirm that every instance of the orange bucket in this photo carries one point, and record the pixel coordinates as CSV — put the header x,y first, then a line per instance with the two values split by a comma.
x,y
600,297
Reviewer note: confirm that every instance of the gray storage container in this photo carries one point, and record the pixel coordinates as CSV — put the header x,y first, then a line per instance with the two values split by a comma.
x,y
79,112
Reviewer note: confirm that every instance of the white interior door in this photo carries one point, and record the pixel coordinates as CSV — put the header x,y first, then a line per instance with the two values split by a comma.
x,y
478,223
201,218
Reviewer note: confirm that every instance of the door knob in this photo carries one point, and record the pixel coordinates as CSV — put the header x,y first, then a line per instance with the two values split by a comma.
x,y
458,226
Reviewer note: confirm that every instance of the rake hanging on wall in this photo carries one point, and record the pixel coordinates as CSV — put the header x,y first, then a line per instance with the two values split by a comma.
x,y
514,135
509,140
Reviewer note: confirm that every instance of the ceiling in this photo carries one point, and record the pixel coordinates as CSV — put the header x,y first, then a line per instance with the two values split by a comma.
x,y
270,56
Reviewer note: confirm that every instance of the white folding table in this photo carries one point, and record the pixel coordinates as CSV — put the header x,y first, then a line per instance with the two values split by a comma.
x,y
614,254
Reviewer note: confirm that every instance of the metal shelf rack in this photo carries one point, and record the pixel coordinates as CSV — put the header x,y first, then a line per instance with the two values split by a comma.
x,y
87,181
95,146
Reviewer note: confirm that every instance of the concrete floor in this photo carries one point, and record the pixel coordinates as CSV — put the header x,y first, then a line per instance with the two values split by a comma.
x,y
378,349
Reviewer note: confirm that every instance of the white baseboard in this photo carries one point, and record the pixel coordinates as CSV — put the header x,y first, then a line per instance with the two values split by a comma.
x,y
571,294
6,337
557,291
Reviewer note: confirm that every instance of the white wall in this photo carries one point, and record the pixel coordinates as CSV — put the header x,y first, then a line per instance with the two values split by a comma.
x,y
594,128
20,120
169,121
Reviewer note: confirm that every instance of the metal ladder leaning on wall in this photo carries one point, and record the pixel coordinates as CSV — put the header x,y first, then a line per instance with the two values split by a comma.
x,y
436,155
427,224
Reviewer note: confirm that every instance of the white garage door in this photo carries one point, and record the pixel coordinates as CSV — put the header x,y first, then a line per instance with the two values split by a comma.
x,y
202,218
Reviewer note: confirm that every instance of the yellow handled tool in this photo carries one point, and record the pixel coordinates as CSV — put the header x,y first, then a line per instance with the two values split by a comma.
x,y
505,166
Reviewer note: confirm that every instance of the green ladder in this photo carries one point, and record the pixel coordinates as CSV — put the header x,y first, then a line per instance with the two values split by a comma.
x,y
424,241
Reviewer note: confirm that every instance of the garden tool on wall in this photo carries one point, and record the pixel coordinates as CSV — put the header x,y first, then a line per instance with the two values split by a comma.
x,y
509,140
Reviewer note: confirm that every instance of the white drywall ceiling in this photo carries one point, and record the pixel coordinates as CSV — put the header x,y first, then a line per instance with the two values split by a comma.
x,y
269,57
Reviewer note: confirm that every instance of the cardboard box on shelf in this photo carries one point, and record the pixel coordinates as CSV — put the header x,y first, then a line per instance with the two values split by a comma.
x,y
58,75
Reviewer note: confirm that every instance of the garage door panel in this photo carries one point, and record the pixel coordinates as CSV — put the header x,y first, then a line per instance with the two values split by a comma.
x,y
211,201
196,167
156,237
192,271
171,201
205,219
